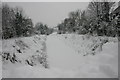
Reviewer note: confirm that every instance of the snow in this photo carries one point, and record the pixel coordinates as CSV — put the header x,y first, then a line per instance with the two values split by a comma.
x,y
24,51
114,6
104,64
65,58
24,48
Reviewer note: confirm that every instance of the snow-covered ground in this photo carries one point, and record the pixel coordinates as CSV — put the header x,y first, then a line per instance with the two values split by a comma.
x,y
63,54
66,58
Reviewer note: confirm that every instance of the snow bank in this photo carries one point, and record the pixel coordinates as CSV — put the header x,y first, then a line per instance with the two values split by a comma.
x,y
86,44
25,51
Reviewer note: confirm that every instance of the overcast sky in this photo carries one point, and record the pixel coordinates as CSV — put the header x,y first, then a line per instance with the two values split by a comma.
x,y
50,13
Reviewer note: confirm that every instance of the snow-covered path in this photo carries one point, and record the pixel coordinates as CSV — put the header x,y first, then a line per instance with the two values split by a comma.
x,y
60,55
64,58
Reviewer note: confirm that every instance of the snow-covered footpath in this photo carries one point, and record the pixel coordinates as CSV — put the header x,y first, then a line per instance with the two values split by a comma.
x,y
66,53
69,56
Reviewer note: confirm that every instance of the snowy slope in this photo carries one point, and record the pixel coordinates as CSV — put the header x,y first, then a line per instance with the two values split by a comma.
x,y
24,51
86,44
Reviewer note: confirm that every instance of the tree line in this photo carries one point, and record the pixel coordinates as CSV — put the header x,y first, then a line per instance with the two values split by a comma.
x,y
95,20
16,24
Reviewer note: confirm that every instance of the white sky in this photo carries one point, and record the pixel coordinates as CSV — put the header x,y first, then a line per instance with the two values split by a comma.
x,y
50,13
